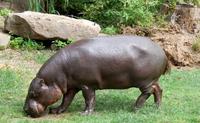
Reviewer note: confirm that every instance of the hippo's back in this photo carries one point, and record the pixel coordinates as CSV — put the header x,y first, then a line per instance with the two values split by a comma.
x,y
115,42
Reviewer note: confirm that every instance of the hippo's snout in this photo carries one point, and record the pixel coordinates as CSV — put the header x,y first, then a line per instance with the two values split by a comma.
x,y
34,109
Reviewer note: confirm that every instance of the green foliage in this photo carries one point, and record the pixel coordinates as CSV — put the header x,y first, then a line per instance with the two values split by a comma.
x,y
122,12
5,12
111,30
58,44
109,12
112,12
35,5
47,5
160,20
25,44
195,2
196,45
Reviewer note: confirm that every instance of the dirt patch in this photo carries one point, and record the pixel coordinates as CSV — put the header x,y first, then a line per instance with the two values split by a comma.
x,y
176,43
4,4
15,60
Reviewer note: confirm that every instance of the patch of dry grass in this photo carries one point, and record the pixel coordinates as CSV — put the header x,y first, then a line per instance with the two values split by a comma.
x,y
196,45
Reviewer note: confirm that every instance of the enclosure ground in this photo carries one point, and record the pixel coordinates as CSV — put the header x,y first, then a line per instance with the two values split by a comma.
x,y
180,96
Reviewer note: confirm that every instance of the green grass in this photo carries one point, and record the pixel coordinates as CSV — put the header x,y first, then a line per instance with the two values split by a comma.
x,y
181,99
38,57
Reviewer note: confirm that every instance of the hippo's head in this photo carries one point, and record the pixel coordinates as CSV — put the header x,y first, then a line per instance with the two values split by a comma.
x,y
40,95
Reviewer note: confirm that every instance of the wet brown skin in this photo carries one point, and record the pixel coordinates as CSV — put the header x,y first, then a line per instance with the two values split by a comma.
x,y
113,62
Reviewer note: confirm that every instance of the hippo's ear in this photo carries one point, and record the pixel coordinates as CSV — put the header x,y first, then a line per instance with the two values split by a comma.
x,y
41,80
43,85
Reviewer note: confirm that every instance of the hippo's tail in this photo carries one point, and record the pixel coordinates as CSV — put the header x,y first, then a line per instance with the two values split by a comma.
x,y
167,68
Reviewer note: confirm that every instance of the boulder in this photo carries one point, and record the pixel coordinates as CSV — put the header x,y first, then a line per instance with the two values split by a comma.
x,y
4,40
40,26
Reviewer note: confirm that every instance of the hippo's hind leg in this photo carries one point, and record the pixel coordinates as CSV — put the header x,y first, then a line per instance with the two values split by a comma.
x,y
89,95
146,93
157,92
66,101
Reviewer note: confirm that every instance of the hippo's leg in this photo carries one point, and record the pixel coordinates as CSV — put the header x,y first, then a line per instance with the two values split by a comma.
x,y
145,94
157,92
89,95
66,101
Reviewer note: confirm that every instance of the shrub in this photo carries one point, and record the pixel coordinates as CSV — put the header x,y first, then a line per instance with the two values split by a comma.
x,y
58,44
25,44
196,45
5,12
112,12
111,30
122,12
109,12
48,6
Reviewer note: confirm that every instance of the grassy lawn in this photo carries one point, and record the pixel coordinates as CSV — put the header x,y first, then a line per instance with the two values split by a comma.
x,y
181,96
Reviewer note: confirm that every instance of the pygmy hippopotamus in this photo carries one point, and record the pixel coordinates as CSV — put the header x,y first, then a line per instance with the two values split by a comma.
x,y
110,62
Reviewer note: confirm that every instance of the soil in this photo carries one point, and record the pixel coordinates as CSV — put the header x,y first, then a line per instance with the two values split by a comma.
x,y
4,4
176,43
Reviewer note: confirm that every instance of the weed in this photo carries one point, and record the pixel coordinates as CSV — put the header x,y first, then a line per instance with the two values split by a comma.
x,y
111,30
109,12
46,5
58,44
25,44
5,12
196,45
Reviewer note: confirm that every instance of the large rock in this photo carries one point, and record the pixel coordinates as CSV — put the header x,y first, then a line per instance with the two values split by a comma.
x,y
4,40
42,26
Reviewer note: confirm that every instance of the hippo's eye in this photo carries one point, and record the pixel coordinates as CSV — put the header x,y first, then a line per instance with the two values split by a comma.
x,y
33,94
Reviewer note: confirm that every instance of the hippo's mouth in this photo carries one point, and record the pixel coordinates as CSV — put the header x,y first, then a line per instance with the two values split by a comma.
x,y
36,114
35,109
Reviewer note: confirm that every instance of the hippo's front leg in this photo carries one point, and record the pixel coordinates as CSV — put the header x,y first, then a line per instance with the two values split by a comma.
x,y
66,101
89,95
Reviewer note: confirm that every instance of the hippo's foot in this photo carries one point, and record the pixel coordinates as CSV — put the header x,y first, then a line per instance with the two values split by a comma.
x,y
89,95
57,110
87,112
